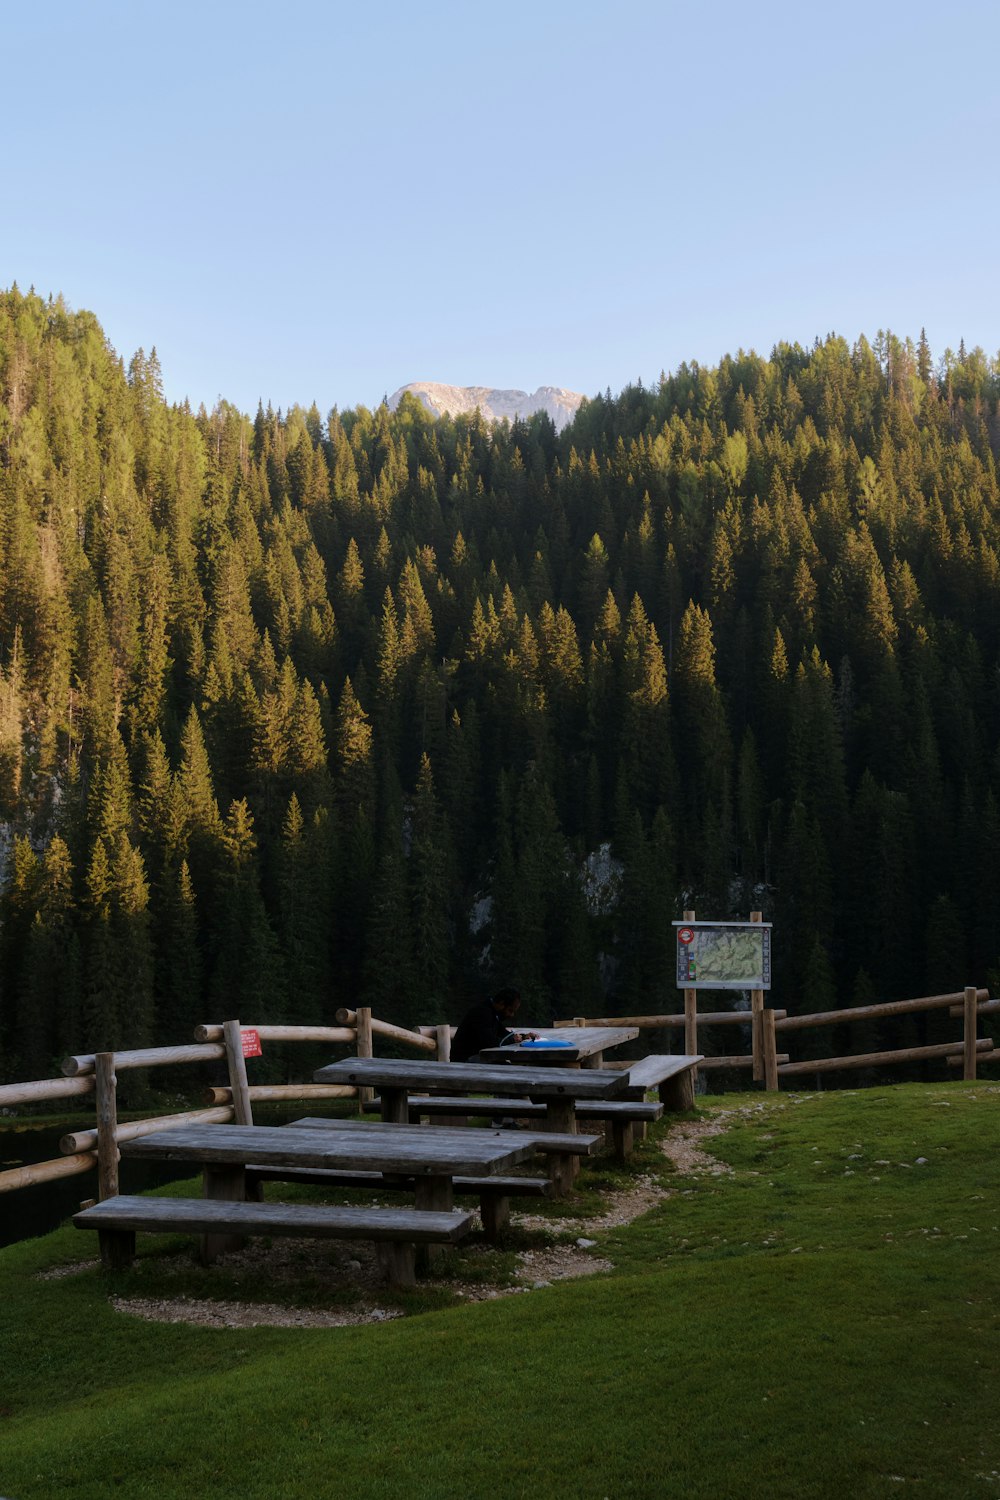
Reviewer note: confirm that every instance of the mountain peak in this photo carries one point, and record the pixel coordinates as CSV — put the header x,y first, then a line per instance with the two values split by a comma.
x,y
495,405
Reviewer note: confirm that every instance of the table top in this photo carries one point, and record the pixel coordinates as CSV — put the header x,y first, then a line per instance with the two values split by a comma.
x,y
583,1041
542,1141
504,1079
393,1148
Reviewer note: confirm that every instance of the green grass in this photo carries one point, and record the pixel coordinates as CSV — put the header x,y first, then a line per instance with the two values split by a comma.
x,y
823,1321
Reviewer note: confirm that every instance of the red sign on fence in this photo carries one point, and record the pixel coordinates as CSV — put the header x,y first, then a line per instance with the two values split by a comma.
x,y
251,1044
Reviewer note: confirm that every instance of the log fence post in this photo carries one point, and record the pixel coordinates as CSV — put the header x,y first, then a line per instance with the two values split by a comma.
x,y
756,1010
443,1037
690,1011
770,1049
971,1027
233,1040
364,1028
107,1125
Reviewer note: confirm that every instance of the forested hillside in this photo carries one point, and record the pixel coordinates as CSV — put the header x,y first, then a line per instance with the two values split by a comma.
x,y
301,710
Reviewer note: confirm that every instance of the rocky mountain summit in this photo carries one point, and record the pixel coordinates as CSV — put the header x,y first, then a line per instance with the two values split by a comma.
x,y
456,400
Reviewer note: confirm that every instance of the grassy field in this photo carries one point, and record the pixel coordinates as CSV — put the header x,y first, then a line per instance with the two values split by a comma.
x,y
823,1320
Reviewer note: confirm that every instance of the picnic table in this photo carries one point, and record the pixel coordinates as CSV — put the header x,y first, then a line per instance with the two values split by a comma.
x,y
558,1088
430,1159
571,1045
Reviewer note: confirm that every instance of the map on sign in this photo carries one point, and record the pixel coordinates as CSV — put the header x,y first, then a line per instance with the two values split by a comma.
x,y
723,955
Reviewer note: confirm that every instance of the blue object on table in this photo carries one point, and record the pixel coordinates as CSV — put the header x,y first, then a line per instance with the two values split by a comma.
x,y
545,1042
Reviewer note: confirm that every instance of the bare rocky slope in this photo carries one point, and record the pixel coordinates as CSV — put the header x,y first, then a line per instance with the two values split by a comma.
x,y
495,405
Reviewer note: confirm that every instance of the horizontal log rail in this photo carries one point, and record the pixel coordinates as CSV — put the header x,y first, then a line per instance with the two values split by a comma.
x,y
145,1057
386,1028
86,1140
272,1093
44,1088
879,1059
210,1033
983,1007
657,1023
47,1171
740,1060
874,1012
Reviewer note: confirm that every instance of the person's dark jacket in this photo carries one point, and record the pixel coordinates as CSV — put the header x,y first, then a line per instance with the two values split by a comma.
x,y
480,1027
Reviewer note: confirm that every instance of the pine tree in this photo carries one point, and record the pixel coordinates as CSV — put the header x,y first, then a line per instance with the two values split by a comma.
x,y
429,884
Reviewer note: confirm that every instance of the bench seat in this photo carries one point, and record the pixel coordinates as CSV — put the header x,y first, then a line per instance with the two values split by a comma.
x,y
494,1193
622,1114
672,1075
396,1231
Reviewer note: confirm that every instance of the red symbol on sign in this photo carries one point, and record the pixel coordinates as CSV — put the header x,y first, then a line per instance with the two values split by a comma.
x,y
685,935
251,1044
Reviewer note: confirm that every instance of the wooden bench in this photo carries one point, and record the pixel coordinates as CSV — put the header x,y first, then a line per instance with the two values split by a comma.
x,y
395,1231
671,1075
622,1115
494,1193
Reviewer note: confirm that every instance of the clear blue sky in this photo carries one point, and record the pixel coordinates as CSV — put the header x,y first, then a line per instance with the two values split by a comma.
x,y
324,201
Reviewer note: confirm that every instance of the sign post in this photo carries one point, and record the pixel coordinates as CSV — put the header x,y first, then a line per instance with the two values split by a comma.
x,y
690,1000
725,956
756,1019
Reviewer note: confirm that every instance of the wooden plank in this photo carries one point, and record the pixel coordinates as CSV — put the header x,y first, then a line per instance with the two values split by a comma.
x,y
545,1142
409,1148
618,1109
475,1078
524,1187
585,1042
658,1067
467,1104
208,1216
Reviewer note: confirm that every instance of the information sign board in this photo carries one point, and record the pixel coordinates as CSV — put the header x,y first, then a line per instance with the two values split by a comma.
x,y
251,1044
723,955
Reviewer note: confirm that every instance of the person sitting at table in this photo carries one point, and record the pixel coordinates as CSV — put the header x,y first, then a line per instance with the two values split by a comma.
x,y
488,1024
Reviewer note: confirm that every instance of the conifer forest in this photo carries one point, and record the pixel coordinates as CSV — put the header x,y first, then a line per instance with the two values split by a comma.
x,y
301,710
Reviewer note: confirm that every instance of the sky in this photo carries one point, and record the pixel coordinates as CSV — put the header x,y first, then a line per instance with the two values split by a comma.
x,y
320,202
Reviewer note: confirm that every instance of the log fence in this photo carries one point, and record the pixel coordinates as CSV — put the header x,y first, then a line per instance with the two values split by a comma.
x,y
766,1024
96,1073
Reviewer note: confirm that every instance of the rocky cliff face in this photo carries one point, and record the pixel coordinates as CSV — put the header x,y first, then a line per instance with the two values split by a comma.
x,y
454,400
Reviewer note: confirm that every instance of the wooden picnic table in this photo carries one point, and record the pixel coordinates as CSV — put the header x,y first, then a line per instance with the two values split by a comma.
x,y
433,1157
558,1088
583,1045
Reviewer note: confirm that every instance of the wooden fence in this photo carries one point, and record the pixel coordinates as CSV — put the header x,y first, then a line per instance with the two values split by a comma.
x,y
97,1074
770,1066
